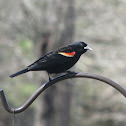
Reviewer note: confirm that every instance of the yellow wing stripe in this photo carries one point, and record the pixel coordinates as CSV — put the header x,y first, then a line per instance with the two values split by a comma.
x,y
67,54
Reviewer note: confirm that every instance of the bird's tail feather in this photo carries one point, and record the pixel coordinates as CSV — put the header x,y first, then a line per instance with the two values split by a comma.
x,y
20,72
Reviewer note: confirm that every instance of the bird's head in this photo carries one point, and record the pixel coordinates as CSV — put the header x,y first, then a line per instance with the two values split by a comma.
x,y
80,47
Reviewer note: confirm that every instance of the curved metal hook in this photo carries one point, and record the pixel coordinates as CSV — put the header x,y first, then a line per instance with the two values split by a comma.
x,y
53,81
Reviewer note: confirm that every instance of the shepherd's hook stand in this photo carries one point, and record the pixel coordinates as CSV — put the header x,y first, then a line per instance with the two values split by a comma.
x,y
53,81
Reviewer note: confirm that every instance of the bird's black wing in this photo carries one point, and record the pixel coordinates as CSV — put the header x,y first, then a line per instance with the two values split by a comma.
x,y
66,51
41,63
54,57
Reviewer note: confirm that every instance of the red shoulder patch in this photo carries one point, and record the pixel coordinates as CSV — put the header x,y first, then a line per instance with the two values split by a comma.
x,y
67,54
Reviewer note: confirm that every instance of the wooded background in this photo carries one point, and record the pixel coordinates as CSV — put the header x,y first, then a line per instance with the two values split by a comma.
x,y
32,28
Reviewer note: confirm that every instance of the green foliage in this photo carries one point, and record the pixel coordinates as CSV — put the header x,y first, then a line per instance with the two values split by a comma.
x,y
108,122
27,89
23,91
26,45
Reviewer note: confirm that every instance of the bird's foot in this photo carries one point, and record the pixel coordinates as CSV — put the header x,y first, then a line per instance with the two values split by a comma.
x,y
50,79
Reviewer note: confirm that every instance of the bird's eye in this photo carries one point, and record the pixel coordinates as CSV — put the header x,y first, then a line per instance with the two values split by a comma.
x,y
81,44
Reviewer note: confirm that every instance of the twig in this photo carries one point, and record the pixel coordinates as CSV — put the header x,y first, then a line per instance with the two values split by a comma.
x,y
53,81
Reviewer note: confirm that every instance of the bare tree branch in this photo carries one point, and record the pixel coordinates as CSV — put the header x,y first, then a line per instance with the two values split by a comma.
x,y
55,80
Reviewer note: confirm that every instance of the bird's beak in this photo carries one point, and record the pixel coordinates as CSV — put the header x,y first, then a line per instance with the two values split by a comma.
x,y
88,48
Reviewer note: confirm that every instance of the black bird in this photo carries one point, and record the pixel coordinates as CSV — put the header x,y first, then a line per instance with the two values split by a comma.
x,y
59,60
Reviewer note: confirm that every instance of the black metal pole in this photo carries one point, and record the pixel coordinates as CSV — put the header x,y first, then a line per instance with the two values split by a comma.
x,y
53,81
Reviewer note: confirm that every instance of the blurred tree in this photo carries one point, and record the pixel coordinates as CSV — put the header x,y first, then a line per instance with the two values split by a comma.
x,y
57,100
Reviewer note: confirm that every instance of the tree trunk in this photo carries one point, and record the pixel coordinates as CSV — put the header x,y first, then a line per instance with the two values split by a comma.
x,y
53,107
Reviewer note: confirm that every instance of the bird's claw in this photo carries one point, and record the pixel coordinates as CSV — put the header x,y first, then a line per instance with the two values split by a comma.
x,y
50,79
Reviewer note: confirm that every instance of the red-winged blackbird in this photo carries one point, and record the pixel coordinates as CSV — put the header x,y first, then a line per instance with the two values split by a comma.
x,y
59,60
